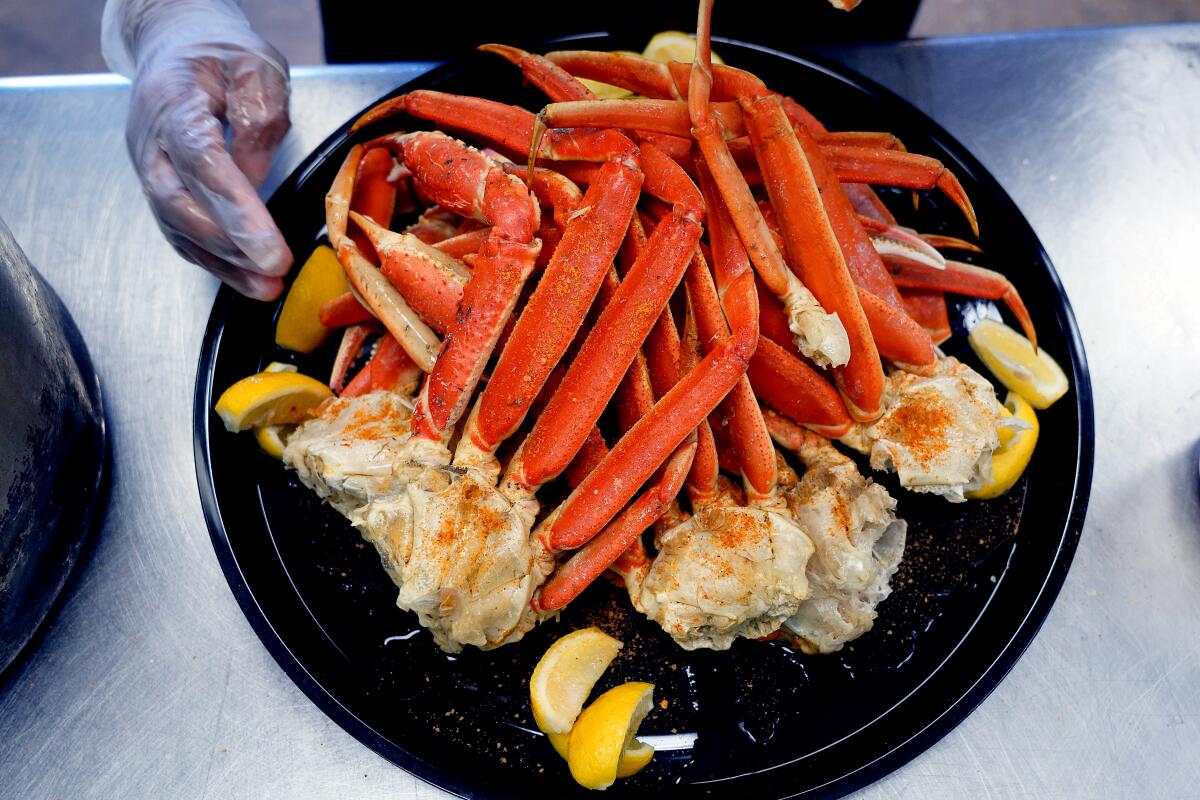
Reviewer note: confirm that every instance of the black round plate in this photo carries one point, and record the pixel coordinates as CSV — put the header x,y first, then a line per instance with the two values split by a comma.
x,y
759,720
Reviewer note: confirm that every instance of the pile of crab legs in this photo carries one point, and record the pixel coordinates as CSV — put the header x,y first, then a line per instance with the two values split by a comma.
x,y
813,281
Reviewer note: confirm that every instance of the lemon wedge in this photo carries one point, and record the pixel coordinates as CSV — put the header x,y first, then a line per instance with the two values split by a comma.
x,y
636,755
1016,448
633,758
565,675
320,280
670,46
605,731
1033,374
273,438
270,398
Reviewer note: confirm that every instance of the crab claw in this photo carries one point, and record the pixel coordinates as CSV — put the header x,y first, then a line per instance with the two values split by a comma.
x,y
965,279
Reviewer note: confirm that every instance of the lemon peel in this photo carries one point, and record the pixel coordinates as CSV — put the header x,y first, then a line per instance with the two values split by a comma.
x,y
1016,449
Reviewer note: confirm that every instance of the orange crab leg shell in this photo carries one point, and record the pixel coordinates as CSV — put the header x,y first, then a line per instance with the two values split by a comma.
x,y
343,310
928,308
607,547
787,383
557,306
388,368
374,196
610,346
965,279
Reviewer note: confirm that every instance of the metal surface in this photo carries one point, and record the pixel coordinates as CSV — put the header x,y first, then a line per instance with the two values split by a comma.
x,y
150,682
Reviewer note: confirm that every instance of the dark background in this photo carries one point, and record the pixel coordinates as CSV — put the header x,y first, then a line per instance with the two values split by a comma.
x,y
56,36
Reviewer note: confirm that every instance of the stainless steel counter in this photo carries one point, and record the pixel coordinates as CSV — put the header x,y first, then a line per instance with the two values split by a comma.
x,y
151,684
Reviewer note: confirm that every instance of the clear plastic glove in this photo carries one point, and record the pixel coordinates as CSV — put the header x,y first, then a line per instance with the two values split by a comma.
x,y
197,67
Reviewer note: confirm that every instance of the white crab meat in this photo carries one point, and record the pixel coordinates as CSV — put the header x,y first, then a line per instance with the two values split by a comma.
x,y
937,432
726,572
459,550
461,554
859,543
350,451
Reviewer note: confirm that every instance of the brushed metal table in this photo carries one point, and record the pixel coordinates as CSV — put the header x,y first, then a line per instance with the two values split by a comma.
x,y
150,683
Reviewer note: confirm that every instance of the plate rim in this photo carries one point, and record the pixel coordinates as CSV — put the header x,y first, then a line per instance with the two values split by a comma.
x,y
900,753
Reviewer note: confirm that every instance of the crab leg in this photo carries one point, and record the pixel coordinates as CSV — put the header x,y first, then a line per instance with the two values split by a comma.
x,y
777,370
639,453
343,310
389,368
949,242
501,408
592,452
557,307
787,383
620,330
633,72
663,341
820,335
467,183
928,308
897,335
470,184
750,441
509,128
430,280
899,168
811,245
867,203
435,223
894,240
965,279
374,195
367,282
634,458
618,536
463,244
669,117
663,180
702,478
819,332
353,339
855,156
552,188
635,395
859,157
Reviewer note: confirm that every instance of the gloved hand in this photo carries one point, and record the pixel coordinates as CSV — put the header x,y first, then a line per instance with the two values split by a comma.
x,y
197,67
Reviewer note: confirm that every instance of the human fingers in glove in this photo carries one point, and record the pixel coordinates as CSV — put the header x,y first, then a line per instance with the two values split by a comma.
x,y
198,68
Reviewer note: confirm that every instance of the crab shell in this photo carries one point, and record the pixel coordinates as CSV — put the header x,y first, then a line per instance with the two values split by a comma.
x,y
462,556
726,572
858,546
